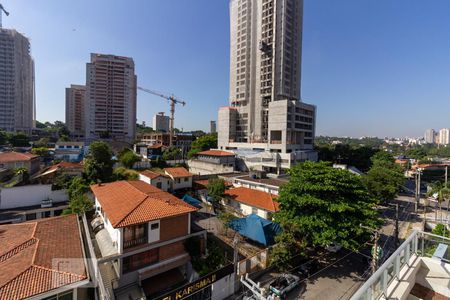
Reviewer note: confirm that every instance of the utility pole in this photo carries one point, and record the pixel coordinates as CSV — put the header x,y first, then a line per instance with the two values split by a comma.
x,y
397,242
416,192
446,175
418,188
375,253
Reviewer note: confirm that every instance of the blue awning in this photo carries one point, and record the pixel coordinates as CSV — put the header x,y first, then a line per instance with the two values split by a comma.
x,y
192,201
257,229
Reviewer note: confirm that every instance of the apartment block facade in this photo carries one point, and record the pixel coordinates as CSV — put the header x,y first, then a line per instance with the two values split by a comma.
x,y
110,107
75,110
17,91
265,109
161,122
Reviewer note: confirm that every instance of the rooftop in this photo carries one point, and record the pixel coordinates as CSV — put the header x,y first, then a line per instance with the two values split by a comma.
x,y
70,143
216,153
133,202
177,172
28,252
152,175
16,156
254,198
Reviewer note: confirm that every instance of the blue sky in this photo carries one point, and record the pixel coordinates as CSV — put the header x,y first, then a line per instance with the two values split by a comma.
x,y
372,67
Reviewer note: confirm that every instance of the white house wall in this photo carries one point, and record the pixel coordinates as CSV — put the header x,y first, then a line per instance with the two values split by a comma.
x,y
30,195
115,234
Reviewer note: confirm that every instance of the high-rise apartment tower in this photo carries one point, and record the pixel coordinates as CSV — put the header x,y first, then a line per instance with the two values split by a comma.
x,y
266,111
161,122
110,107
17,94
75,110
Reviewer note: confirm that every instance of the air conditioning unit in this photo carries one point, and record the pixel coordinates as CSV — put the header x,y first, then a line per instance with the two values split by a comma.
x,y
97,224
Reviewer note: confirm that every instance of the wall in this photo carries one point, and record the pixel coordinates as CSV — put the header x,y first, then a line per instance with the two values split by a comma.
x,y
115,234
30,195
173,227
181,184
165,182
223,288
245,209
200,167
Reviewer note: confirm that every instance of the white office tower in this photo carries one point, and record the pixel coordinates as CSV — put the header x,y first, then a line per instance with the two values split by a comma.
x,y
430,136
75,110
444,136
17,94
161,122
110,108
266,112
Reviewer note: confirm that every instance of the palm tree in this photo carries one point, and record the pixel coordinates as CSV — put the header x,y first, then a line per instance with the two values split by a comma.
x,y
441,193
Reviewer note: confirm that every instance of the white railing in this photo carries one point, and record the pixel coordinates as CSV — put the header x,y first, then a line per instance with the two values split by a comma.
x,y
418,243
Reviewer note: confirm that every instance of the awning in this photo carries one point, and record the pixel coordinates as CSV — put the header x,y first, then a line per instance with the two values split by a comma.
x,y
257,229
192,201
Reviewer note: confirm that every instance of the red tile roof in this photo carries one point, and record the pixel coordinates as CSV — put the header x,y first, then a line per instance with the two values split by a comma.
x,y
178,172
28,252
254,198
216,153
16,156
133,202
152,175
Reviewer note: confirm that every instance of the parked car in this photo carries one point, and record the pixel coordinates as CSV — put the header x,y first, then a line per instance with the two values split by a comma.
x,y
333,248
284,284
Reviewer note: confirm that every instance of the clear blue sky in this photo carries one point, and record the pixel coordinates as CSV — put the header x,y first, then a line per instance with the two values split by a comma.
x,y
372,67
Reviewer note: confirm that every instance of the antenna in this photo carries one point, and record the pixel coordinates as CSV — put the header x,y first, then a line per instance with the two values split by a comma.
x,y
6,13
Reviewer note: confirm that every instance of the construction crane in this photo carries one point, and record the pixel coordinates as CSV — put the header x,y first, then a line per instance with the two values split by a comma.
x,y
172,100
6,13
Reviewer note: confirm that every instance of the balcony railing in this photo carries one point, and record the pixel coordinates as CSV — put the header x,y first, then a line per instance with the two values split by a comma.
x,y
421,244
134,242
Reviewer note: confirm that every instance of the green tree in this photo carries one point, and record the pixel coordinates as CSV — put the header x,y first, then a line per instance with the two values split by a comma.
x,y
384,178
3,137
203,143
226,219
20,140
98,165
216,190
172,153
441,230
321,205
122,173
41,151
23,173
128,159
79,203
41,143
442,192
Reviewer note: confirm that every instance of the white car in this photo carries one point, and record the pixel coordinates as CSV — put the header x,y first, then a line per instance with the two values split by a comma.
x,y
284,284
333,248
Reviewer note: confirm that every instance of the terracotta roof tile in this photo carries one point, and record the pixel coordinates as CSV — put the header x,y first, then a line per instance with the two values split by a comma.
x,y
16,156
178,172
216,153
152,175
27,253
254,198
134,202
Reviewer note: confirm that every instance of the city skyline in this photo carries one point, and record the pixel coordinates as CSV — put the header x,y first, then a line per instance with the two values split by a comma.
x,y
392,70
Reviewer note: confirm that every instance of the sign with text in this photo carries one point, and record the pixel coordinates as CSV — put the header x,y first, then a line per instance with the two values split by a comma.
x,y
198,285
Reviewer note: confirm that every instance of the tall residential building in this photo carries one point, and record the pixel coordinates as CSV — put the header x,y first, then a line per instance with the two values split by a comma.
x,y
212,127
444,136
161,122
110,107
17,94
430,136
75,111
266,111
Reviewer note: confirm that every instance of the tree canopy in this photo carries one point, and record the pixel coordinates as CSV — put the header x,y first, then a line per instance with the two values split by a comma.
x,y
172,153
128,158
203,143
384,178
98,165
321,205
78,200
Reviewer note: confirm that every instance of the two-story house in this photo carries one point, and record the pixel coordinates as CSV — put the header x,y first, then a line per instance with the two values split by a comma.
x,y
180,178
144,231
69,151
161,181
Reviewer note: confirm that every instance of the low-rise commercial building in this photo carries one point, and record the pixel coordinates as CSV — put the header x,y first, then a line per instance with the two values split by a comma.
x,y
69,151
212,162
